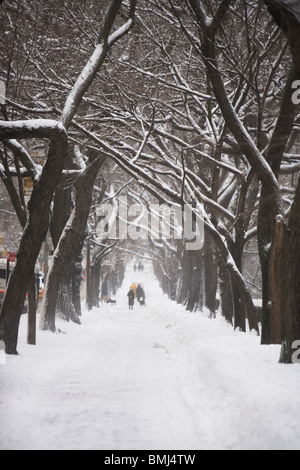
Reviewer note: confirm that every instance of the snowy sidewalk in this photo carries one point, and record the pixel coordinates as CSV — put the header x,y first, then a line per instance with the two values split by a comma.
x,y
152,378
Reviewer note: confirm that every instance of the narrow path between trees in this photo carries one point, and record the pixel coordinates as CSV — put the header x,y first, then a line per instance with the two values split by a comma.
x,y
152,378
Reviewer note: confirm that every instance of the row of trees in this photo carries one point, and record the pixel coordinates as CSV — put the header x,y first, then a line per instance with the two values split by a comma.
x,y
192,106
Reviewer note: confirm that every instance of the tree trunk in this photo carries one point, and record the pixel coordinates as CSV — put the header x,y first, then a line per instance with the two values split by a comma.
x,y
275,281
287,16
62,209
268,208
236,277
291,283
64,307
69,242
89,302
226,300
95,282
211,275
76,280
34,233
32,301
186,278
239,310
195,302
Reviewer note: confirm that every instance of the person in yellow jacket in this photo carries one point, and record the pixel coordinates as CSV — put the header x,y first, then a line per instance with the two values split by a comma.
x,y
133,287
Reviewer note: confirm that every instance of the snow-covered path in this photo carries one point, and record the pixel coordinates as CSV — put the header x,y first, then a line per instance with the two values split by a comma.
x,y
153,378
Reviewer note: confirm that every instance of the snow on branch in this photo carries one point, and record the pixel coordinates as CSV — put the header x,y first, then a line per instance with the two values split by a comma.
x,y
33,169
33,128
97,58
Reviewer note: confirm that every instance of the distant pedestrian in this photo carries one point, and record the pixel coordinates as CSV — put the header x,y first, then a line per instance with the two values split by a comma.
x,y
134,268
140,293
104,291
131,297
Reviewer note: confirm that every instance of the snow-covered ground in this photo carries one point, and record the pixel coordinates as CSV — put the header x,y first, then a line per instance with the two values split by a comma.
x,y
154,378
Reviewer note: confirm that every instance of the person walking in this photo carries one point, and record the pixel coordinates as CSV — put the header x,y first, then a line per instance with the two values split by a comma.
x,y
131,298
133,287
104,292
140,293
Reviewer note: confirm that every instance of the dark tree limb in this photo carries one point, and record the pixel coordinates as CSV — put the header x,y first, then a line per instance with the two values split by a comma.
x,y
286,14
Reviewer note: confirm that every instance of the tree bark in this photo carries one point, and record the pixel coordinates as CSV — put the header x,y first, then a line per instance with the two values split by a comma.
x,y
236,277
32,301
268,209
276,281
69,242
291,282
211,275
64,307
36,226
286,13
186,278
226,300
95,281
196,296
77,279
88,277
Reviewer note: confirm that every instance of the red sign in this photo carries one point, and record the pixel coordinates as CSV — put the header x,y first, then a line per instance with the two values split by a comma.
x,y
12,257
